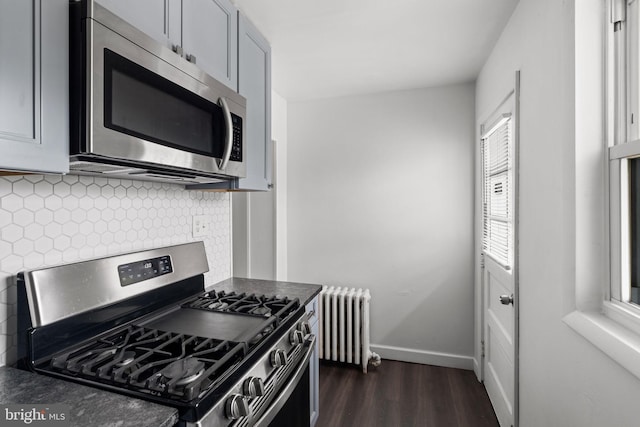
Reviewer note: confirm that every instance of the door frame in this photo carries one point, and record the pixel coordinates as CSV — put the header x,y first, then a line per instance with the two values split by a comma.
x,y
479,300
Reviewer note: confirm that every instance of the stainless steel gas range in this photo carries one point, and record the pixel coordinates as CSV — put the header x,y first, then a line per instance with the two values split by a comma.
x,y
142,324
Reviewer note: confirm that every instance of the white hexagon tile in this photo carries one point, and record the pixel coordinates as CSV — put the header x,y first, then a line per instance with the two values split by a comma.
x,y
49,219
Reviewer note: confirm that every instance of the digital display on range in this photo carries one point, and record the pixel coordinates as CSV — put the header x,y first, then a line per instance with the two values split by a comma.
x,y
144,270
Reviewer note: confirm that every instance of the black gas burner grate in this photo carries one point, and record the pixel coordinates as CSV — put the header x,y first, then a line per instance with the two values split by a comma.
x,y
163,363
248,304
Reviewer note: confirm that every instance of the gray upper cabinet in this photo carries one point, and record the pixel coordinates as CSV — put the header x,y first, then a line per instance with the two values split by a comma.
x,y
254,83
34,85
209,38
204,32
159,19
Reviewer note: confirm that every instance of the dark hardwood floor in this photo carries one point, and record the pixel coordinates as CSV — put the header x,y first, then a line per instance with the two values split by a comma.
x,y
399,394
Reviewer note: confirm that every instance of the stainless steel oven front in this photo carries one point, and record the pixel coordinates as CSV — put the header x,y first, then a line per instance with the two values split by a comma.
x,y
280,380
139,109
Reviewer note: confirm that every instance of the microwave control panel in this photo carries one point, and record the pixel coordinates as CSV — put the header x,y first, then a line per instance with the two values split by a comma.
x,y
236,150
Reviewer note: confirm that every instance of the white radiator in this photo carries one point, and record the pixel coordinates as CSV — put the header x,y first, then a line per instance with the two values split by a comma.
x,y
343,326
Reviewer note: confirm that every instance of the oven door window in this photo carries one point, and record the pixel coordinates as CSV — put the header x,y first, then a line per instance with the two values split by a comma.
x,y
145,105
296,412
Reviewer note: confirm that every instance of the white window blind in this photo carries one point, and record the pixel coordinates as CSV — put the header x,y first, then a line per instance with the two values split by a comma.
x,y
498,193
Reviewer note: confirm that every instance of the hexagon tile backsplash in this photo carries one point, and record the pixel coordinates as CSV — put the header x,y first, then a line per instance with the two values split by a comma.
x,y
51,219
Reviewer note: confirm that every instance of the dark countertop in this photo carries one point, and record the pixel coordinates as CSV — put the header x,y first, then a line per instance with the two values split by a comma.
x,y
87,406
303,291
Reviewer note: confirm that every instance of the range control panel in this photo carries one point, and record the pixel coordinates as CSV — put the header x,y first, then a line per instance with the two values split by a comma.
x,y
144,270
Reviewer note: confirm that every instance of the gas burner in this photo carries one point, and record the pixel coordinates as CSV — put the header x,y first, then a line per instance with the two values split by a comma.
x,y
262,311
156,361
184,370
218,305
84,361
248,304
104,355
126,358
258,337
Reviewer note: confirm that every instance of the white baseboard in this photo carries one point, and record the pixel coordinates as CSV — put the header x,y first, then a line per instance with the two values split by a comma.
x,y
424,357
476,369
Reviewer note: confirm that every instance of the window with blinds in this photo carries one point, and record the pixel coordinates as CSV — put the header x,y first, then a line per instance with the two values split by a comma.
x,y
497,239
624,156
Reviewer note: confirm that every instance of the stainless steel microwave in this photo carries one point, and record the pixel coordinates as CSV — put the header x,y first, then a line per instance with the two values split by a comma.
x,y
140,111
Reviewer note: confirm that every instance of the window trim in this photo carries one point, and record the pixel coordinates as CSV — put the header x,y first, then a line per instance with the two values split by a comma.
x,y
610,325
622,313
622,39
605,333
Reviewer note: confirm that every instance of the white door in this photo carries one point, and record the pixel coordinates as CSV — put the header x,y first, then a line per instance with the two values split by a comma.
x,y
499,274
499,352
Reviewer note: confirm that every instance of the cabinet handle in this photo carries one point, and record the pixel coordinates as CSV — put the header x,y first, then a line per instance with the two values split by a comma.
x,y
177,49
191,58
229,139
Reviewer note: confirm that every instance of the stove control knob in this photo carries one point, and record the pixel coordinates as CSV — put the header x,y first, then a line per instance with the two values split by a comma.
x,y
305,328
278,358
253,387
236,407
296,337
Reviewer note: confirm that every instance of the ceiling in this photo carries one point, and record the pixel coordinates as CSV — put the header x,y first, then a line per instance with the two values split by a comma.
x,y
329,48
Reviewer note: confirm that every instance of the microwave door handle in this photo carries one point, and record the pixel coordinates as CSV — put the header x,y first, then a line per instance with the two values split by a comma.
x,y
228,143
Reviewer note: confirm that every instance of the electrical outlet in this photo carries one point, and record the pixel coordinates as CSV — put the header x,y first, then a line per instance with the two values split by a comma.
x,y
200,225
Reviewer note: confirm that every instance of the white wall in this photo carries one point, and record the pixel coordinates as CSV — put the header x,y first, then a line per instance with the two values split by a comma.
x,y
380,195
564,380
280,136
260,218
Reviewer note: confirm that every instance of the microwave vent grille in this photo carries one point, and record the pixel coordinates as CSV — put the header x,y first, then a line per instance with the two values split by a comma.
x,y
93,167
97,168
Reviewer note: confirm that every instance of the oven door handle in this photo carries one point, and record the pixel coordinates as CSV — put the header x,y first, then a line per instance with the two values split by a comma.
x,y
282,398
228,141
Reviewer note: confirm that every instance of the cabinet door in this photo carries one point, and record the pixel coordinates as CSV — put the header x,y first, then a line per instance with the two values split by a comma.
x,y
159,19
314,366
210,38
34,85
254,83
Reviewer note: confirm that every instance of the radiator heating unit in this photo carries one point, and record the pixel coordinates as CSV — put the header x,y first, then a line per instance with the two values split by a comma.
x,y
343,328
